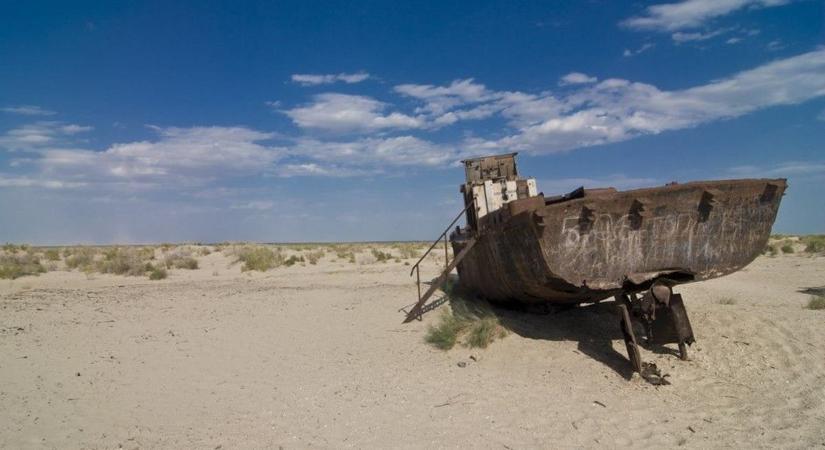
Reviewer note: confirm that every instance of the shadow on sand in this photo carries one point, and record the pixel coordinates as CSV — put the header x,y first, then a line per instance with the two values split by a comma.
x,y
593,327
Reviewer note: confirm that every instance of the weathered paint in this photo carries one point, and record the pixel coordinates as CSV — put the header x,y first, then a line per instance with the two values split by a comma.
x,y
608,242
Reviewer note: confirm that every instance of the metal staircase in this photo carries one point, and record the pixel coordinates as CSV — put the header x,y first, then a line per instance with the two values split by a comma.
x,y
419,307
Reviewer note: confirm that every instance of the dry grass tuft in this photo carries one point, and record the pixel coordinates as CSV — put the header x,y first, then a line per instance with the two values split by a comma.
x,y
314,256
727,301
380,256
180,259
816,302
123,261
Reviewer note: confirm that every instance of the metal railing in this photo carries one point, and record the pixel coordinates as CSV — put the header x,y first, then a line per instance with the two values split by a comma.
x,y
416,267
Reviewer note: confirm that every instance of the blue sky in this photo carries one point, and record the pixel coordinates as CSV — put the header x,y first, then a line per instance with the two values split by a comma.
x,y
325,121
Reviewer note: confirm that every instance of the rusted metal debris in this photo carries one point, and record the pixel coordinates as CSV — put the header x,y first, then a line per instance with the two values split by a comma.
x,y
593,244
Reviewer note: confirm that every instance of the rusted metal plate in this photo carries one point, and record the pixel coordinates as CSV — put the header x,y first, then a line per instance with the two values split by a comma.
x,y
605,242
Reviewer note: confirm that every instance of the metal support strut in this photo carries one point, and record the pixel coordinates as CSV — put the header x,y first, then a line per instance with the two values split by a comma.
x,y
663,316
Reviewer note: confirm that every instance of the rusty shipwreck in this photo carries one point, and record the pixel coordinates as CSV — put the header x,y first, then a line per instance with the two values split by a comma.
x,y
591,244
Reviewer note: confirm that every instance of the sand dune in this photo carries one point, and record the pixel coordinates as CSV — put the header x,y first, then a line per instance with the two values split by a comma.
x,y
316,355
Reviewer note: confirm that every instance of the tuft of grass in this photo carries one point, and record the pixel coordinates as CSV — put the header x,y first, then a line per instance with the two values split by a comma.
x,y
408,250
259,258
816,302
484,331
472,323
770,250
814,243
444,335
158,273
787,248
727,301
15,266
381,256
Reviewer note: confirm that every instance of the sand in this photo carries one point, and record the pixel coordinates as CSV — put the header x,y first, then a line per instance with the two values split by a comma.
x,y
316,356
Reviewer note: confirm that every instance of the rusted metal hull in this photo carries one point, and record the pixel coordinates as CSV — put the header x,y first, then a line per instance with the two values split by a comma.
x,y
605,243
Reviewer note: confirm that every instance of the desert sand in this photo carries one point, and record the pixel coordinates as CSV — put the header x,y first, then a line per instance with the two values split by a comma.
x,y
316,356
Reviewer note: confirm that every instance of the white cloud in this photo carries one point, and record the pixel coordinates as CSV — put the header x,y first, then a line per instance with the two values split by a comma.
x,y
257,205
821,116
615,110
440,99
375,152
27,110
36,135
317,79
783,169
681,37
645,47
180,156
24,181
691,13
577,78
349,113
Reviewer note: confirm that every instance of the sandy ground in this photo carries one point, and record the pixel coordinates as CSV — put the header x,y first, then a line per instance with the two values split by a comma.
x,y
316,356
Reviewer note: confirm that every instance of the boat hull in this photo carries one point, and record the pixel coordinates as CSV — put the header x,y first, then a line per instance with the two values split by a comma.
x,y
608,242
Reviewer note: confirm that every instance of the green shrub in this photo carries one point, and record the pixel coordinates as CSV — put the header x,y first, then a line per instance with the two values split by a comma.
x,y
787,248
16,266
816,302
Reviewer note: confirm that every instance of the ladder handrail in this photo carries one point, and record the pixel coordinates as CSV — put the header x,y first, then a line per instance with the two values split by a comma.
x,y
442,235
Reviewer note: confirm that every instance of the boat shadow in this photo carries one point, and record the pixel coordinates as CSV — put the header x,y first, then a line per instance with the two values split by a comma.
x,y
593,327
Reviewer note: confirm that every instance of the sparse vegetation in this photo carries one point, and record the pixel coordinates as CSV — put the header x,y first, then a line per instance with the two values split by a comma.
x,y
13,266
787,248
816,302
292,260
52,254
473,321
157,273
380,256
314,256
80,258
770,250
180,259
259,258
814,243
727,301
123,261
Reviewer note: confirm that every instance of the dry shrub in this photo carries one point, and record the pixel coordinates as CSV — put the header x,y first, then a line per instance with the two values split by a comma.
x,y
52,254
180,259
123,261
408,250
727,301
315,256
787,248
157,273
292,260
81,258
381,256
258,258
13,266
